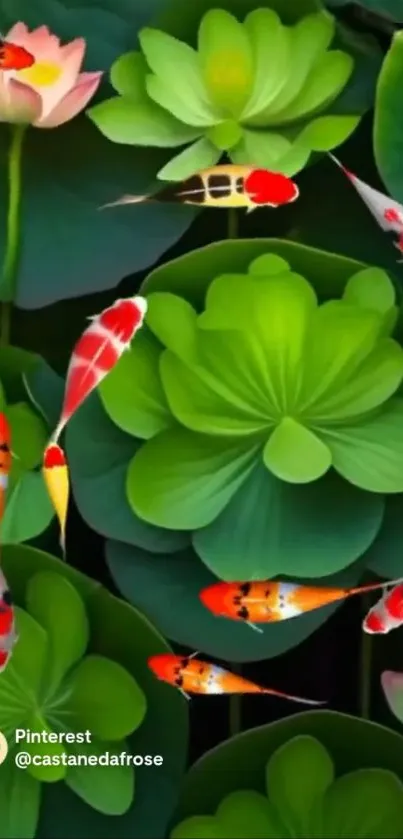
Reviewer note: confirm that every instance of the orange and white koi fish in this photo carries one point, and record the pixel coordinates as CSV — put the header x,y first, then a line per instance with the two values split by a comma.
x,y
190,675
225,186
387,212
97,352
13,57
5,461
387,613
56,476
268,602
8,635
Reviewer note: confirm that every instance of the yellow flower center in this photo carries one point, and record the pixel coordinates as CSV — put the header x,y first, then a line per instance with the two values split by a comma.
x,y
42,74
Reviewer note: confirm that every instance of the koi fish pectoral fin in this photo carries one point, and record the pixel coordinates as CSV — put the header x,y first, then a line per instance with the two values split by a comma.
x,y
253,626
185,695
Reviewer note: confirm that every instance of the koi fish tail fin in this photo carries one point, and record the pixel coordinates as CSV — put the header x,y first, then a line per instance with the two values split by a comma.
x,y
373,587
126,199
293,698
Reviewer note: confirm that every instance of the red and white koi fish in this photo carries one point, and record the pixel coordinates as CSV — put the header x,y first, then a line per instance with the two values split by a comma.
x,y
13,57
387,212
269,602
5,461
190,675
97,352
8,635
227,185
386,614
56,476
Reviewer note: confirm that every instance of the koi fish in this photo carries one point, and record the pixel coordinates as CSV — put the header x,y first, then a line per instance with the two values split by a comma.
x,y
190,675
13,57
5,461
269,602
387,212
56,476
98,351
386,614
8,636
225,186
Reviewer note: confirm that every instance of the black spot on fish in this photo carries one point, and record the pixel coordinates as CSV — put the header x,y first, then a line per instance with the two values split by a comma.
x,y
4,448
7,599
191,190
219,186
243,613
240,186
179,681
245,589
267,592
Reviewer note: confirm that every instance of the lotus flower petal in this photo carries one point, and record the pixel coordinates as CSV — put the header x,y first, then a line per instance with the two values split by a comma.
x,y
392,686
226,59
309,39
200,155
73,103
271,47
18,102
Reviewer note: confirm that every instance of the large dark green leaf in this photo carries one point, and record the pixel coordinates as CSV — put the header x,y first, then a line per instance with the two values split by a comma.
x,y
306,531
388,125
118,632
190,275
166,588
392,9
384,557
240,763
69,248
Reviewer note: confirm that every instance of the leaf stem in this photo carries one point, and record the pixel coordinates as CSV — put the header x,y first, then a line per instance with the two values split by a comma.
x,y
10,264
235,708
232,229
365,669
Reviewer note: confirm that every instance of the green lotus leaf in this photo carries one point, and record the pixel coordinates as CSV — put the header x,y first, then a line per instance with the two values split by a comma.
x,y
371,288
16,787
320,781
392,686
297,776
365,803
294,453
199,475
262,88
163,311
58,608
104,692
388,119
148,413
107,789
98,685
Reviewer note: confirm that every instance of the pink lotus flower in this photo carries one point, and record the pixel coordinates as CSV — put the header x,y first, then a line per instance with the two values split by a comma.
x,y
52,91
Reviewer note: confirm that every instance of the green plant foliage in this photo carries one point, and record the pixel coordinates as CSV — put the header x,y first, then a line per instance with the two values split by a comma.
x,y
280,102
73,670
317,774
28,509
241,419
157,571
91,251
389,9
388,119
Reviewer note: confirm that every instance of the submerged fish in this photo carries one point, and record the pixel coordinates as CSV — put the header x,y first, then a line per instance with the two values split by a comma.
x,y
97,352
225,186
268,602
8,635
5,461
387,613
190,675
386,211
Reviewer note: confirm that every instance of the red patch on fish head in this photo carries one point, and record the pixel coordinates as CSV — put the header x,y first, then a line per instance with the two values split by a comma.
x,y
54,456
392,215
4,429
4,657
13,57
164,666
272,188
374,624
124,317
216,598
394,602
